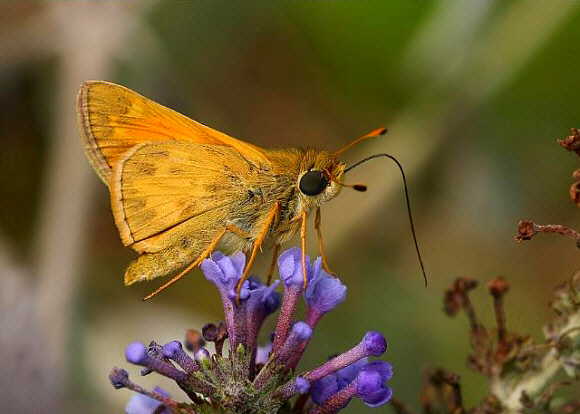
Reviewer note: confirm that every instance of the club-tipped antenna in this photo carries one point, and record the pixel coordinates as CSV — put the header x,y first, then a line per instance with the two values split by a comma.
x,y
379,131
358,186
406,197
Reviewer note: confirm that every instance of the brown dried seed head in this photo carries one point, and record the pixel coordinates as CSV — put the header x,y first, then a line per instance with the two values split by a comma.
x,y
193,340
497,287
575,192
455,296
572,143
222,331
525,230
451,302
209,332
465,284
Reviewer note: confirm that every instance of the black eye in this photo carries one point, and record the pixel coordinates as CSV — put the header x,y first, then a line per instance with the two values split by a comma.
x,y
313,183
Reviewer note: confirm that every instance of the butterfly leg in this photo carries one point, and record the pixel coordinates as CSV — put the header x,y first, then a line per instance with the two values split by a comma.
x,y
239,232
257,244
273,264
197,261
318,226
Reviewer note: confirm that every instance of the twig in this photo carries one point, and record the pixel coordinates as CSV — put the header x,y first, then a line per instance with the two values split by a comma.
x,y
456,297
498,287
527,229
572,143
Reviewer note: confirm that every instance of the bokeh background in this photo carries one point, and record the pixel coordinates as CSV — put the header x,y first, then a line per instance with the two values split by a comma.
x,y
474,93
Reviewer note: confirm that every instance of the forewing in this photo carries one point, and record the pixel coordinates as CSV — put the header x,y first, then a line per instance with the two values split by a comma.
x,y
158,190
114,119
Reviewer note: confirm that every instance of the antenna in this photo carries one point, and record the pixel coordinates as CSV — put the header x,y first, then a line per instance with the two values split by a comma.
x,y
406,197
372,134
358,186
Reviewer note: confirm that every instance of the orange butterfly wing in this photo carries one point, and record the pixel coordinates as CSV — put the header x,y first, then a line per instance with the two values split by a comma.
x,y
162,191
113,119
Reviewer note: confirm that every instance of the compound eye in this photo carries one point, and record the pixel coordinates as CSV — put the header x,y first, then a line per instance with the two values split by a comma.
x,y
312,183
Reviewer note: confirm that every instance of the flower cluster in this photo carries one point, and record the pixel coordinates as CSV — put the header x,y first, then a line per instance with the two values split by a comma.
x,y
254,379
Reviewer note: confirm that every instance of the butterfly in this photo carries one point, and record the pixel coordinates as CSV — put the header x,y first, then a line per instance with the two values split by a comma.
x,y
180,189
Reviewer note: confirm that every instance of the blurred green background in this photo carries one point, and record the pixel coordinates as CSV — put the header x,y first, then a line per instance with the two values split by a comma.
x,y
474,94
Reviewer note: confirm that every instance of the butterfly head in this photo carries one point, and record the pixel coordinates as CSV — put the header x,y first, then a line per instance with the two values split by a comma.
x,y
320,178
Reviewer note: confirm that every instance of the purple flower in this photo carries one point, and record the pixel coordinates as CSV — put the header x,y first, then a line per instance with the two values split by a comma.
x,y
143,404
262,301
298,385
323,389
299,332
119,378
250,376
263,298
329,385
202,354
156,351
174,351
290,267
136,353
324,292
345,375
371,386
263,353
225,272
334,391
302,385
372,344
